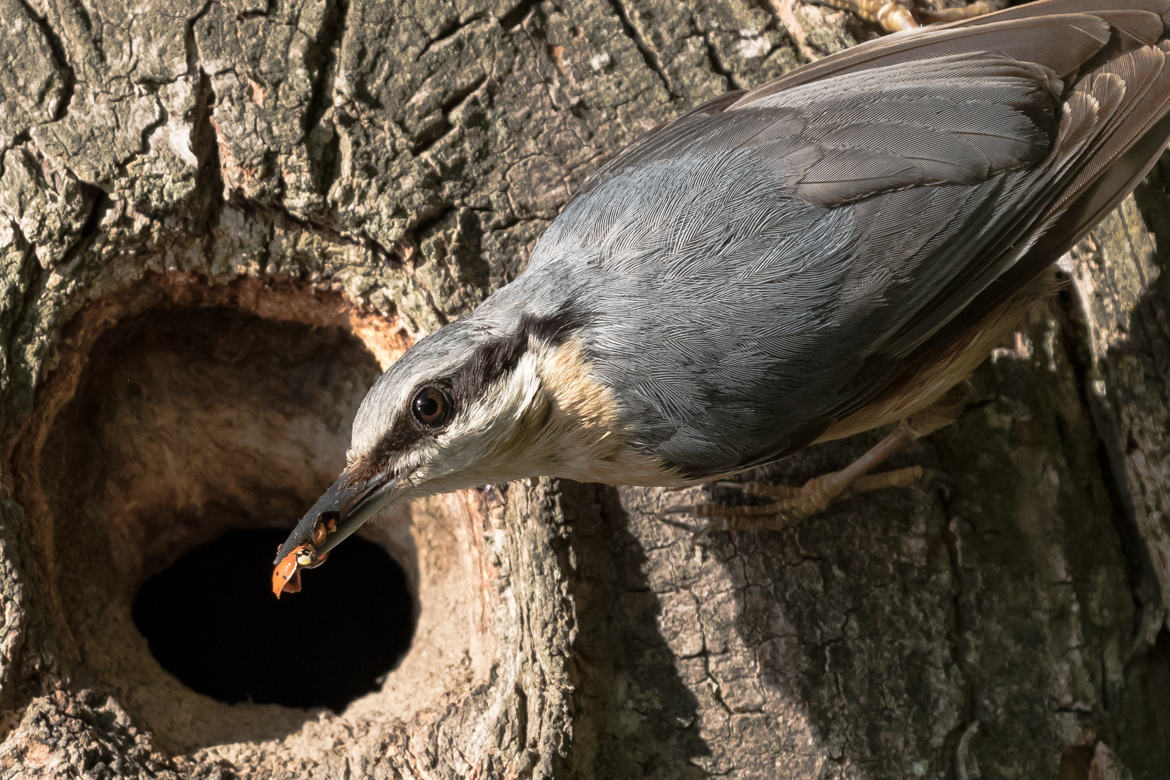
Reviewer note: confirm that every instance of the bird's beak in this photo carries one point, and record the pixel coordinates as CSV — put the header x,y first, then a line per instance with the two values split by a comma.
x,y
340,511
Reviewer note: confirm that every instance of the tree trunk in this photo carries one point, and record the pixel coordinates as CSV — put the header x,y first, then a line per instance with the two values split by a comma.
x,y
220,218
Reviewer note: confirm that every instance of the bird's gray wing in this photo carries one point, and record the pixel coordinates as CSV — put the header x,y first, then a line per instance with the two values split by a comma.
x,y
857,212
1033,32
1027,33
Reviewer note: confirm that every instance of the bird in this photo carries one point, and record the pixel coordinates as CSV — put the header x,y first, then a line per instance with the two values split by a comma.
x,y
831,252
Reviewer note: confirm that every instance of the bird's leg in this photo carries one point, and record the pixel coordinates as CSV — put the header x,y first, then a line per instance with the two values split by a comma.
x,y
793,504
898,15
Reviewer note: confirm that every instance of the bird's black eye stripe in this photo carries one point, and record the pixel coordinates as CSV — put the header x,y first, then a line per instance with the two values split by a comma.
x,y
431,406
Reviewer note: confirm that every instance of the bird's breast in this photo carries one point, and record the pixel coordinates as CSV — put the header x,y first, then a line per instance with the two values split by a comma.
x,y
587,438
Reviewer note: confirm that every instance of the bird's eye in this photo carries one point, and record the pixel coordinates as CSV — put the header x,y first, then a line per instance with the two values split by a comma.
x,y
431,407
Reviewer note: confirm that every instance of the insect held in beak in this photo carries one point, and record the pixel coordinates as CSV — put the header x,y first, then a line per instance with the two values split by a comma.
x,y
286,577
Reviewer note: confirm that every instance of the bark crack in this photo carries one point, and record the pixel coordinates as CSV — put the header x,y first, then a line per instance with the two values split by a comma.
x,y
147,132
33,278
449,31
321,59
432,134
279,216
18,140
90,228
207,195
516,16
713,58
60,61
1140,573
190,43
651,58
207,198
959,737
269,6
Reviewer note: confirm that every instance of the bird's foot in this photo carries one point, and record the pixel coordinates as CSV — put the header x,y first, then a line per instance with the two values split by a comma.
x,y
789,504
898,15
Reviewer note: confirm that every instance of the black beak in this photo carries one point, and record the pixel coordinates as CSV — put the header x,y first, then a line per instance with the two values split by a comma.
x,y
341,510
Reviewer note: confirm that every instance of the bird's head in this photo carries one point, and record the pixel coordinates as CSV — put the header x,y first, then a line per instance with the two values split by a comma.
x,y
472,404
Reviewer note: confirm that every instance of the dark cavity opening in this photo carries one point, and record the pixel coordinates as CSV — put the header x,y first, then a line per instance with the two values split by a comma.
x,y
211,620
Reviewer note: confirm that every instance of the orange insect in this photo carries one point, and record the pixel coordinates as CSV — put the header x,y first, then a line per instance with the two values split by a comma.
x,y
286,577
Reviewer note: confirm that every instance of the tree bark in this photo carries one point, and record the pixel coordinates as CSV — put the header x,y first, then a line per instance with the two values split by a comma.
x,y
373,170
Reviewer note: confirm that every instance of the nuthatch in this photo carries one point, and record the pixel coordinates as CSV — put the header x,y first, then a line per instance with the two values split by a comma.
x,y
831,252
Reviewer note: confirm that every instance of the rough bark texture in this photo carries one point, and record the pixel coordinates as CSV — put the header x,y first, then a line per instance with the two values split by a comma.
x,y
372,170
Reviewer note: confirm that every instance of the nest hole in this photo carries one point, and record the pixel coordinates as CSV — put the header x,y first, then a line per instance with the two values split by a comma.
x,y
225,636
159,479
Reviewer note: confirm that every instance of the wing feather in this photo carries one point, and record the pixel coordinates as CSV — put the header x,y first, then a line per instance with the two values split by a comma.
x,y
870,208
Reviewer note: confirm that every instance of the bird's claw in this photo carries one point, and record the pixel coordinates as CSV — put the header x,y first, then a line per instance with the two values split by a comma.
x,y
787,505
700,534
726,518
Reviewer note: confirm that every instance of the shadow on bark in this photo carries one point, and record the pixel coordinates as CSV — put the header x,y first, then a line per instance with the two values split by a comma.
x,y
636,715
990,629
